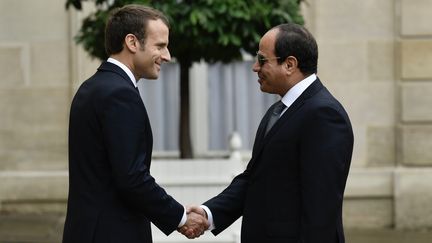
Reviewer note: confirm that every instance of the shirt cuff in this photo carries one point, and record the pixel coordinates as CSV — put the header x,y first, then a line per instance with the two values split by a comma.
x,y
183,219
209,217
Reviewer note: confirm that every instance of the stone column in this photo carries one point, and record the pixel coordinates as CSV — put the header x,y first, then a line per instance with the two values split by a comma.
x,y
413,178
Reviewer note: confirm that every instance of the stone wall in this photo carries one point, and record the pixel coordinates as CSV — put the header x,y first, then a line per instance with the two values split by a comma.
x,y
34,86
376,56
356,42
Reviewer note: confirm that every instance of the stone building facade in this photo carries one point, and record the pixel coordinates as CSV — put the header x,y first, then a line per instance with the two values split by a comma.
x,y
375,56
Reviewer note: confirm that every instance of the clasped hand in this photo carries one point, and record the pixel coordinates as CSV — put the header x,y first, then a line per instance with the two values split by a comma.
x,y
196,222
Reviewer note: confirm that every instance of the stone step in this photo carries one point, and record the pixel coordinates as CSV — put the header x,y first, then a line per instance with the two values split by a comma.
x,y
31,228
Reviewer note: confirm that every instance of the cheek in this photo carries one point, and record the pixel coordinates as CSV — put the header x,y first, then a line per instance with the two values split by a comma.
x,y
149,59
153,56
269,73
278,73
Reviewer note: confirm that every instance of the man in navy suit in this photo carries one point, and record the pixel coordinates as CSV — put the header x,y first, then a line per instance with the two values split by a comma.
x,y
112,195
292,189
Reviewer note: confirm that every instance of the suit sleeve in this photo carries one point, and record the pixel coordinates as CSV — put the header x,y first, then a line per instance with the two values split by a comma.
x,y
124,130
326,149
227,207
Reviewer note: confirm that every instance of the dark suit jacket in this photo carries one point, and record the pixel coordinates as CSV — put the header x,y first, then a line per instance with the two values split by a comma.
x,y
292,189
112,196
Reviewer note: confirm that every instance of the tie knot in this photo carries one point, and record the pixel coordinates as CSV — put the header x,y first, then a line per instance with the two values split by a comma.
x,y
278,108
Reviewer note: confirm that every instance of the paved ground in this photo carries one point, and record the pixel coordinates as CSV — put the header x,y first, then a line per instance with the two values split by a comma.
x,y
48,228
387,236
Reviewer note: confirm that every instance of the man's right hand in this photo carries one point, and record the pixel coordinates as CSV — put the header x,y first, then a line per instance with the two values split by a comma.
x,y
196,222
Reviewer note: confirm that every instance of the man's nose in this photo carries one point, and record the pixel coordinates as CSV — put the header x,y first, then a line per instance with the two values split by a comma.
x,y
256,66
166,56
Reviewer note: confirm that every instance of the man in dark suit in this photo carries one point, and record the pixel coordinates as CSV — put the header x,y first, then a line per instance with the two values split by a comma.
x,y
292,189
112,196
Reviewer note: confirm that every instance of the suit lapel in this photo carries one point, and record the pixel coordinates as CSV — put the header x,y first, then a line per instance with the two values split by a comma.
x,y
260,140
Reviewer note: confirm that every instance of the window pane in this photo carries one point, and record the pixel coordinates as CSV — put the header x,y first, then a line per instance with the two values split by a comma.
x,y
161,98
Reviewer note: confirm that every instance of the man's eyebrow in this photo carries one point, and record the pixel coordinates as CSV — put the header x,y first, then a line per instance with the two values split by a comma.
x,y
162,43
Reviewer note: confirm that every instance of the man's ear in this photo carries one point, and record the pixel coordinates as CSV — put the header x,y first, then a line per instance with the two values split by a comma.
x,y
290,64
131,43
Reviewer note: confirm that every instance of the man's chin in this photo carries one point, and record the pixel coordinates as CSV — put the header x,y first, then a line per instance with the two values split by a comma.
x,y
267,90
152,76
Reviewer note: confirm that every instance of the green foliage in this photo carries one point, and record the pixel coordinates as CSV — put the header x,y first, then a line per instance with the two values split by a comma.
x,y
212,30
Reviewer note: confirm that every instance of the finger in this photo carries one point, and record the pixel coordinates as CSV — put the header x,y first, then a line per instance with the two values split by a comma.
x,y
190,235
196,209
187,234
193,208
190,232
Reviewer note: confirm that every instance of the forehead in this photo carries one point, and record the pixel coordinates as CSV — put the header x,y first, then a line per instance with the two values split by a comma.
x,y
267,42
157,29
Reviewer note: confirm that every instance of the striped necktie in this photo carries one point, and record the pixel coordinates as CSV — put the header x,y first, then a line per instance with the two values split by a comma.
x,y
278,107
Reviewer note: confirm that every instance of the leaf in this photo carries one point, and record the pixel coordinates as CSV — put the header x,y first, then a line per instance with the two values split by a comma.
x,y
193,17
283,14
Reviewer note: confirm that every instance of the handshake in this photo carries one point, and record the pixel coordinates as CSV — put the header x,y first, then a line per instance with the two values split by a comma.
x,y
196,222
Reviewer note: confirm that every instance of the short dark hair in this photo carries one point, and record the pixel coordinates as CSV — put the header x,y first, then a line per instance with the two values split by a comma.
x,y
130,19
295,40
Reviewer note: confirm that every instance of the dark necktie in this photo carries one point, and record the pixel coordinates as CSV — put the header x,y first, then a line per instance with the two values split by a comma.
x,y
278,107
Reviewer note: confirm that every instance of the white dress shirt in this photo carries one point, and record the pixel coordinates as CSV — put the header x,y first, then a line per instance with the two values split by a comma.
x,y
124,68
293,93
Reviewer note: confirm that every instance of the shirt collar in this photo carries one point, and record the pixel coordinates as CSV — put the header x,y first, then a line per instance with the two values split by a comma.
x,y
293,93
124,68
